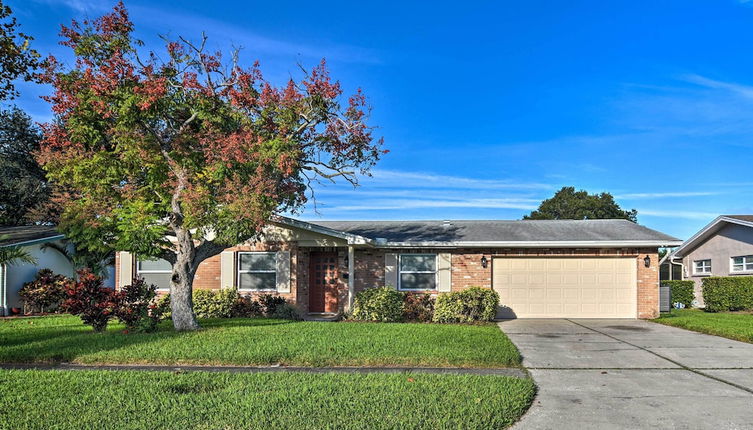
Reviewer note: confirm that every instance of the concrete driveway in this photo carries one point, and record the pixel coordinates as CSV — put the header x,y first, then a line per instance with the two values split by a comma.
x,y
632,374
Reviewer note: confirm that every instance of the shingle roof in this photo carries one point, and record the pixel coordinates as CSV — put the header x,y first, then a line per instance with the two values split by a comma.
x,y
500,231
26,233
748,218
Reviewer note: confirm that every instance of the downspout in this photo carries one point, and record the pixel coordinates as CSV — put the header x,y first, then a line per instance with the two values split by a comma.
x,y
3,290
351,276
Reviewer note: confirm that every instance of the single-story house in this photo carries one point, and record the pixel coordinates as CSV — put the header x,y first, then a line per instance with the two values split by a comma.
x,y
541,269
724,247
32,239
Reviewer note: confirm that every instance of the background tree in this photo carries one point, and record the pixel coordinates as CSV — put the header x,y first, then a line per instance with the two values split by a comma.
x,y
17,59
570,204
182,157
23,185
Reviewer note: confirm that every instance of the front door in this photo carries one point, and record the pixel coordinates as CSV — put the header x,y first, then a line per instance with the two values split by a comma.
x,y
323,282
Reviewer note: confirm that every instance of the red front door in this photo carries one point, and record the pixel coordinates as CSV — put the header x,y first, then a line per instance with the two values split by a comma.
x,y
323,282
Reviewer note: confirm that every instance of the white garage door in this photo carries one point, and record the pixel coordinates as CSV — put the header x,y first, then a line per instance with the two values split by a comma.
x,y
562,287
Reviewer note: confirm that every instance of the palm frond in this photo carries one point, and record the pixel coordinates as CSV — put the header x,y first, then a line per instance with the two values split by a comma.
x,y
12,255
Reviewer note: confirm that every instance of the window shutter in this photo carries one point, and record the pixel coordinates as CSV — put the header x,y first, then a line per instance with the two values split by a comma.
x,y
390,270
125,269
444,267
227,269
283,271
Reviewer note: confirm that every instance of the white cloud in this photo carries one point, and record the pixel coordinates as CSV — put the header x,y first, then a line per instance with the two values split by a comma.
x,y
82,6
380,205
430,180
628,196
738,89
677,214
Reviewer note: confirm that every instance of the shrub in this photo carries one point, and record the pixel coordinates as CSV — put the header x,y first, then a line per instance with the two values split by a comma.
x,y
214,304
46,291
728,293
286,311
270,302
682,291
382,304
162,306
247,307
135,307
472,304
90,300
418,307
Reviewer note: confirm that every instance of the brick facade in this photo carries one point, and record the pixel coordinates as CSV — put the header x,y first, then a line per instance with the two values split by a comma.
x,y
467,270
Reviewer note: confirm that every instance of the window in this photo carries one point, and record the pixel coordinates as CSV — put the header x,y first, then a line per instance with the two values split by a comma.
x,y
257,271
157,272
742,264
701,267
418,272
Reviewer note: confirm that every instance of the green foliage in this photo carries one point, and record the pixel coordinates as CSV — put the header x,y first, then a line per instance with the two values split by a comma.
x,y
418,307
470,305
570,204
728,293
23,184
12,255
162,306
215,304
382,304
17,59
682,291
46,291
287,311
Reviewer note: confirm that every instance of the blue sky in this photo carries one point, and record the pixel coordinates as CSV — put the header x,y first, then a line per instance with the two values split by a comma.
x,y
489,107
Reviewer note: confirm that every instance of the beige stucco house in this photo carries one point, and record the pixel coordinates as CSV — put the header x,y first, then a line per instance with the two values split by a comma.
x,y
541,269
722,248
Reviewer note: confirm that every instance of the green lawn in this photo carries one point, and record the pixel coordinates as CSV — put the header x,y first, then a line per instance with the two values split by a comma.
x,y
737,326
31,399
260,342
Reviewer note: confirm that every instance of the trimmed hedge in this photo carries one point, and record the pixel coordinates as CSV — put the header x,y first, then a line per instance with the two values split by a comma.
x,y
470,305
382,304
682,291
728,293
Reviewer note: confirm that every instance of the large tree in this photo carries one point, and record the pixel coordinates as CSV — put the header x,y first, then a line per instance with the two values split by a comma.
x,y
17,58
570,204
23,185
182,154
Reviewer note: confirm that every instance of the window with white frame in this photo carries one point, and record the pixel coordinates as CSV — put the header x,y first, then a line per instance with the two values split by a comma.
x,y
742,264
702,267
418,272
156,272
257,271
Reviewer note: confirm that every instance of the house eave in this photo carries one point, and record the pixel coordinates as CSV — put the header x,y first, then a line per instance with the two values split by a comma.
x,y
34,241
534,244
706,232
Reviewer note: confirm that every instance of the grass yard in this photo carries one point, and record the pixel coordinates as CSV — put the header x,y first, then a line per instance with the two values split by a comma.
x,y
32,399
260,342
732,325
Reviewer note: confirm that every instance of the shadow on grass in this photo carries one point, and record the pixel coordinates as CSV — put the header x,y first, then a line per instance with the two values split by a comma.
x,y
71,339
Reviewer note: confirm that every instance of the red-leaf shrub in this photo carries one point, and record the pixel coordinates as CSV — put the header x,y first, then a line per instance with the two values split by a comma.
x,y
46,291
90,300
418,307
136,308
270,302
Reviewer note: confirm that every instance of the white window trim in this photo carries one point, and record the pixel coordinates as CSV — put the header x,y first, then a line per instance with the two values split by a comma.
x,y
239,271
702,273
747,259
400,272
139,272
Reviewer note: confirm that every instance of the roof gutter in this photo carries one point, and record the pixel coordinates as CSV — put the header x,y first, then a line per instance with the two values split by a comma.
x,y
35,241
534,244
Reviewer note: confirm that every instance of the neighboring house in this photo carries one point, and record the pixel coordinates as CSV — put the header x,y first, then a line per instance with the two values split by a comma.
x,y
723,248
32,239
541,269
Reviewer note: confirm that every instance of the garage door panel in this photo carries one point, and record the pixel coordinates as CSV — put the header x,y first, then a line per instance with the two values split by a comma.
x,y
567,287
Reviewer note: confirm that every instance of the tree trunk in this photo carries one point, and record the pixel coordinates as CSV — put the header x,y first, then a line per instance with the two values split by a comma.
x,y
181,285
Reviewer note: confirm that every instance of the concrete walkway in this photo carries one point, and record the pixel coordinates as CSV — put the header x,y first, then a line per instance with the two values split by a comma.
x,y
513,372
632,374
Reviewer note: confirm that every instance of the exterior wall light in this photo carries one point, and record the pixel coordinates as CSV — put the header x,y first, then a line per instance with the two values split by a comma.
x,y
647,261
484,261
